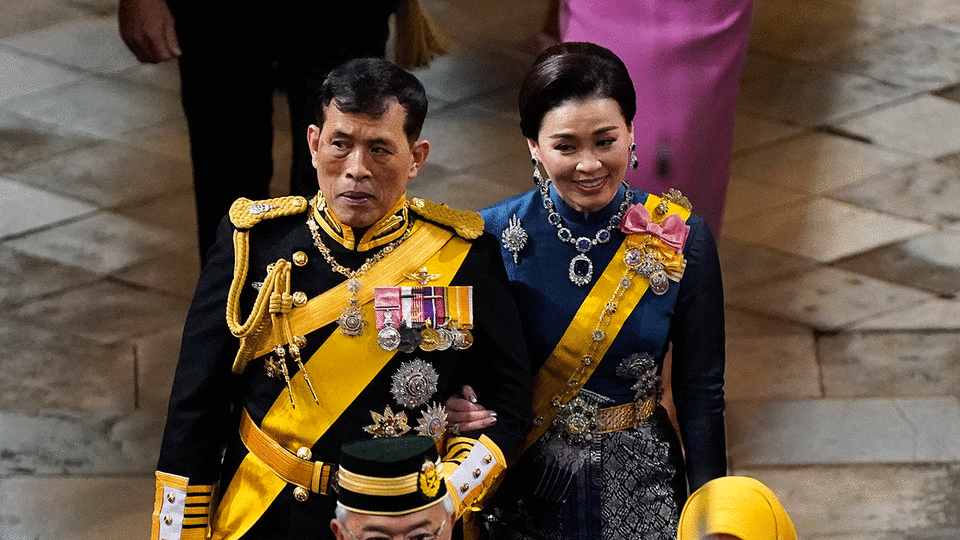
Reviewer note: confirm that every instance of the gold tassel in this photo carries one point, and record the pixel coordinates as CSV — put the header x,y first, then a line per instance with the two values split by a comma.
x,y
418,40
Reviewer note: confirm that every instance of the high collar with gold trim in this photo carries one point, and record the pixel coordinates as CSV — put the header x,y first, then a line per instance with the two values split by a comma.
x,y
386,230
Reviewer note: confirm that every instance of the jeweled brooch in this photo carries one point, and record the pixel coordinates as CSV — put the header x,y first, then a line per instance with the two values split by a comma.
x,y
414,383
433,423
514,238
387,424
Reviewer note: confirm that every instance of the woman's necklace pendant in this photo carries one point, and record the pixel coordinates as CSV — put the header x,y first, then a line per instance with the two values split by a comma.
x,y
581,270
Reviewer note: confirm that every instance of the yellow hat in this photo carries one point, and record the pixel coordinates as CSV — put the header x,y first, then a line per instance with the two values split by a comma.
x,y
735,505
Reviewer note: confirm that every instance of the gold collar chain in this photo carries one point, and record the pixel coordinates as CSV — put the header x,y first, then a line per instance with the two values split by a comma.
x,y
351,319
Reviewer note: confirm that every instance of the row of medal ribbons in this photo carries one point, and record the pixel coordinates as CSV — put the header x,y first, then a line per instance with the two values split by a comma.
x,y
429,318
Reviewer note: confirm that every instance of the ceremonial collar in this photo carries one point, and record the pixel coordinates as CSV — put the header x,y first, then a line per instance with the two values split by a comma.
x,y
597,217
387,229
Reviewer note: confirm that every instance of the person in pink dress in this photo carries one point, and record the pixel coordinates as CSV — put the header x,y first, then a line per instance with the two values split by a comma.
x,y
685,58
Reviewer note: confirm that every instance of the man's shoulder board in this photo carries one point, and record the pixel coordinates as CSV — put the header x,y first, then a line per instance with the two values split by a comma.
x,y
467,224
245,213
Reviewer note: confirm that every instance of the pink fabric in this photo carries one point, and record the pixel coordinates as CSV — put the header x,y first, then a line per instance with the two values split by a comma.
x,y
673,232
685,58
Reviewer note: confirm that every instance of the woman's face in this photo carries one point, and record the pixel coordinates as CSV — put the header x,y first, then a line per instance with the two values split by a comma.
x,y
584,145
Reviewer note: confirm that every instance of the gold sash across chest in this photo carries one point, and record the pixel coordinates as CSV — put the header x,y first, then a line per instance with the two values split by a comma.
x,y
567,368
340,370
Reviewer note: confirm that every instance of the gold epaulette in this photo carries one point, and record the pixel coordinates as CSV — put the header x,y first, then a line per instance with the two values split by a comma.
x,y
469,225
245,213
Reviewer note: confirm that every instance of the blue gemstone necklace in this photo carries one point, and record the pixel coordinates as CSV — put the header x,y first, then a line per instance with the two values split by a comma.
x,y
581,267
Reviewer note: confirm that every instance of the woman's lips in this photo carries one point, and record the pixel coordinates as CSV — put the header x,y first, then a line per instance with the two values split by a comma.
x,y
592,183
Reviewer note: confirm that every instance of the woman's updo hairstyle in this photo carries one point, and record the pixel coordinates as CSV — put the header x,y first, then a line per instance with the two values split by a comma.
x,y
573,70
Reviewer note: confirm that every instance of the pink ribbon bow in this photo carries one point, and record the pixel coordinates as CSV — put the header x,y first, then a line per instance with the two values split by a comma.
x,y
673,232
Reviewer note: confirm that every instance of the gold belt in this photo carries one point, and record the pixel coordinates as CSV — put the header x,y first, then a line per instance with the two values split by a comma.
x,y
626,416
298,469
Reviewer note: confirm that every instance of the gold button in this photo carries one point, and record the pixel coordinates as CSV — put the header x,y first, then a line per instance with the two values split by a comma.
x,y
300,341
304,453
300,258
171,497
477,472
487,458
464,487
168,520
299,298
300,494
418,203
586,360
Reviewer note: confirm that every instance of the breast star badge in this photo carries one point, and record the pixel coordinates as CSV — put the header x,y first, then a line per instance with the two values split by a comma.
x,y
387,424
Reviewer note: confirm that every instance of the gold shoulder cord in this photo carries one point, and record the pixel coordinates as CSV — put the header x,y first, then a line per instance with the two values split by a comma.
x,y
274,296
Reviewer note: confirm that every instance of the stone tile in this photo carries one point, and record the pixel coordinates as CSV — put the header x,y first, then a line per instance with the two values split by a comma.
x,y
843,431
872,502
174,210
23,277
92,44
511,170
825,298
809,31
952,93
747,324
750,131
467,73
810,229
23,208
165,75
100,106
100,442
896,126
457,133
23,140
925,191
816,162
175,272
932,314
53,372
24,75
107,174
772,367
101,243
502,103
170,138
82,311
808,95
748,198
890,364
744,265
157,356
930,262
923,57
64,508
23,16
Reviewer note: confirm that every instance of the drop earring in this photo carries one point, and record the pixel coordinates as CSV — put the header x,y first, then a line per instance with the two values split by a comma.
x,y
537,177
634,162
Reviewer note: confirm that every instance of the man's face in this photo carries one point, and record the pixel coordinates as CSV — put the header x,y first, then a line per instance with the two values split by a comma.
x,y
433,522
364,163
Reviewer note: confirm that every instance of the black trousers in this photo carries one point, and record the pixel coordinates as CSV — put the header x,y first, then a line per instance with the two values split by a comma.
x,y
235,55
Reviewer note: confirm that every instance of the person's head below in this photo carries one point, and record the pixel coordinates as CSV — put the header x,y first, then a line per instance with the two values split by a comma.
x,y
391,489
365,143
577,104
734,508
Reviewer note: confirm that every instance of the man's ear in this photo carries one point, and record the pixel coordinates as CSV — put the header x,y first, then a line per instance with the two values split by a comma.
x,y
337,529
313,141
420,150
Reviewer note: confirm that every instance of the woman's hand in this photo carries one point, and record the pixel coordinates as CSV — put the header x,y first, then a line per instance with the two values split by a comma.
x,y
464,414
146,26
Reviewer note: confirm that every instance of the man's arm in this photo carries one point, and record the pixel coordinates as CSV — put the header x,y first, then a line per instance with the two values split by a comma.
x,y
147,28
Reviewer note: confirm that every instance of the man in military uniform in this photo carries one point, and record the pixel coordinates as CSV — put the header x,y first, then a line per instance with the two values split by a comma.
x,y
351,315
391,487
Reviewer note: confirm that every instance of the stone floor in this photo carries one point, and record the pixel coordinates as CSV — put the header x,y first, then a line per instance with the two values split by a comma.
x,y
841,254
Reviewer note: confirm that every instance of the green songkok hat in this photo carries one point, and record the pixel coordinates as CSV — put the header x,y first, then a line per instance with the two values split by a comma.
x,y
390,476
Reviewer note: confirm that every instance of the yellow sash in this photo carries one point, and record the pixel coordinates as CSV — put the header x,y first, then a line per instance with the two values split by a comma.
x,y
254,487
553,377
